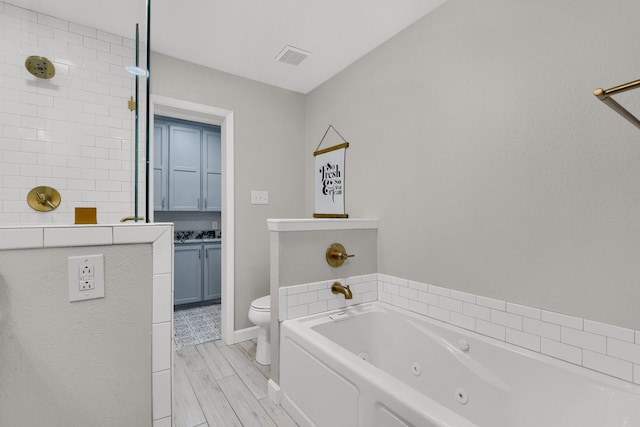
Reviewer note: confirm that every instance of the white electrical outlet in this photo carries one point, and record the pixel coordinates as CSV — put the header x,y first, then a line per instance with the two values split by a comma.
x,y
86,277
259,197
214,225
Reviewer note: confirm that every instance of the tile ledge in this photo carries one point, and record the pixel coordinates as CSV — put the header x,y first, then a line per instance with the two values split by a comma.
x,y
49,236
117,224
319,224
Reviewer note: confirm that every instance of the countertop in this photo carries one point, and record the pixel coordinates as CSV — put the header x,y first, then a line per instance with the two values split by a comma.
x,y
188,241
196,236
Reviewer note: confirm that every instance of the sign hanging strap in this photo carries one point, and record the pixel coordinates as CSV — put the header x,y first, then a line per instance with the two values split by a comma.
x,y
345,144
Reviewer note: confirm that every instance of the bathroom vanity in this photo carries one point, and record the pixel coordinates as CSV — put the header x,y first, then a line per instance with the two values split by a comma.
x,y
197,269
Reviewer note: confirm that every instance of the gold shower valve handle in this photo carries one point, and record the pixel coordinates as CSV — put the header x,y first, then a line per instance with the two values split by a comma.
x,y
43,198
337,254
342,256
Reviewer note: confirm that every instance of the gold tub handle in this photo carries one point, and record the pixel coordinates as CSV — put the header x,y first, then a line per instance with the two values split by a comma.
x,y
336,255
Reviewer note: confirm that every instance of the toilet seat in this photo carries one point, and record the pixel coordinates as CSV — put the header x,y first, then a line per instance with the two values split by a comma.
x,y
262,304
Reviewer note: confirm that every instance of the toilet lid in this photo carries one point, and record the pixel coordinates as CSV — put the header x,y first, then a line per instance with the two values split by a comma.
x,y
262,303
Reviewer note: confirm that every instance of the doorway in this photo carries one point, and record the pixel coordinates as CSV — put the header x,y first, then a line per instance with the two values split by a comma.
x,y
185,110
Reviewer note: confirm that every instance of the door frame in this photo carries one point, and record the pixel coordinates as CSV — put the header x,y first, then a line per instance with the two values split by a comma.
x,y
186,110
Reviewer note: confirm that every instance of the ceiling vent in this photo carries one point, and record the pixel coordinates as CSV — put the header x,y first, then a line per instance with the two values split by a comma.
x,y
292,55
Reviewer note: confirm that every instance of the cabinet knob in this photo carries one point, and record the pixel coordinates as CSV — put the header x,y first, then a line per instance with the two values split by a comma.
x,y
199,253
162,202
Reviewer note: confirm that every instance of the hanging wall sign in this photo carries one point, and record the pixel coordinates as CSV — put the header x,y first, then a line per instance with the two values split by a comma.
x,y
329,179
329,182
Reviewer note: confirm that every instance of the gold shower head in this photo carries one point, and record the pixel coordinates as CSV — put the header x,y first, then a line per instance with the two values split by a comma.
x,y
40,67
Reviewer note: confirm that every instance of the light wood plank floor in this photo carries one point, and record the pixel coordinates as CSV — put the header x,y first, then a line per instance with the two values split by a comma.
x,y
217,385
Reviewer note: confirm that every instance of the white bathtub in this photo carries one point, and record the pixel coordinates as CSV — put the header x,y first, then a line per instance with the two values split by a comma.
x,y
418,374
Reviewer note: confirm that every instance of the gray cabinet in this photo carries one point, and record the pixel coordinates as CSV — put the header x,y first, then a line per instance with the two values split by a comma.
x,y
212,280
211,170
197,272
187,274
184,168
160,166
187,167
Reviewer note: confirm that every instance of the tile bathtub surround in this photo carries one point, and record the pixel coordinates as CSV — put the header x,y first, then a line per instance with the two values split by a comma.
x,y
73,132
609,349
311,298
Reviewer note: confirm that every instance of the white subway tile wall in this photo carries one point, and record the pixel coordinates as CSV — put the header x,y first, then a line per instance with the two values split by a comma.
x,y
609,349
312,298
73,132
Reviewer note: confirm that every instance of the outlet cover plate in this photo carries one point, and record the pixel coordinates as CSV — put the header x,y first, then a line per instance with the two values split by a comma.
x,y
259,197
86,277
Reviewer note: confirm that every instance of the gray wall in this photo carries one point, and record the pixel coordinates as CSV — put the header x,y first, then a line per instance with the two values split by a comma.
x,y
269,146
477,142
303,255
85,363
299,257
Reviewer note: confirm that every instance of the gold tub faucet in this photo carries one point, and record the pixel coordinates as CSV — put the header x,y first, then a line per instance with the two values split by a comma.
x,y
337,288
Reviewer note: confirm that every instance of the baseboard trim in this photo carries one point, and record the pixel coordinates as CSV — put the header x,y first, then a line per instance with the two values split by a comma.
x,y
245,334
273,391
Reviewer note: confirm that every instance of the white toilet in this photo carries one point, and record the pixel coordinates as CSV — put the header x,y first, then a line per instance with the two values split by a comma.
x,y
260,315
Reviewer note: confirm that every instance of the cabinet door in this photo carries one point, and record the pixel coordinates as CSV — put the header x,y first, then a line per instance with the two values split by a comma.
x,y
211,170
187,276
184,168
212,271
160,167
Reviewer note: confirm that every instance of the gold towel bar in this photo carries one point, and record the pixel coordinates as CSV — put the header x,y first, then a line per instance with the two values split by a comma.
x,y
604,96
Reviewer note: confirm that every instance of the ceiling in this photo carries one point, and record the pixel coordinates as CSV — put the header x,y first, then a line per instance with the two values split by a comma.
x,y
243,37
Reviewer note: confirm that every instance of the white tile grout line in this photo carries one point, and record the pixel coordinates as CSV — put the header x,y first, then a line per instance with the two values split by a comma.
x,y
608,349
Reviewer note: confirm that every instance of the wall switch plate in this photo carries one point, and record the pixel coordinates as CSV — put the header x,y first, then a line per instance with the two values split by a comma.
x,y
86,277
259,197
